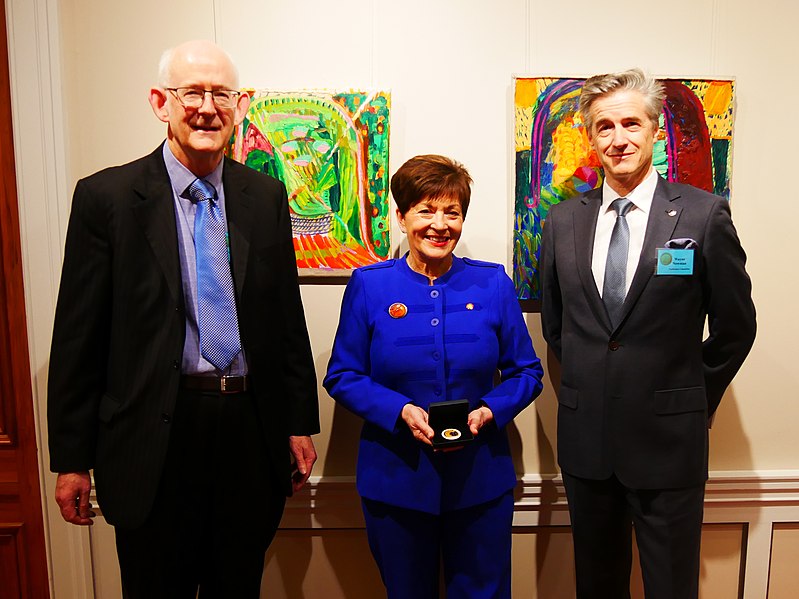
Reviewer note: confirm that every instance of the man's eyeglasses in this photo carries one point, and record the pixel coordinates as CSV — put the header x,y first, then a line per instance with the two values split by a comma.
x,y
193,97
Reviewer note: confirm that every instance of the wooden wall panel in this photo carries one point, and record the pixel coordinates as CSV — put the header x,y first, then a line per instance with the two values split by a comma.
x,y
784,574
542,562
320,563
723,554
10,581
321,549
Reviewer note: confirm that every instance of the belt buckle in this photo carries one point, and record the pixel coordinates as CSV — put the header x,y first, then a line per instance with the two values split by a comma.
x,y
223,384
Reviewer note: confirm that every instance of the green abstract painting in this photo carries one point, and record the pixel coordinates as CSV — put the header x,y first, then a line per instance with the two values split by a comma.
x,y
330,149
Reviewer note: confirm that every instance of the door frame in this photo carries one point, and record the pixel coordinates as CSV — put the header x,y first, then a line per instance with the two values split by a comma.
x,y
21,517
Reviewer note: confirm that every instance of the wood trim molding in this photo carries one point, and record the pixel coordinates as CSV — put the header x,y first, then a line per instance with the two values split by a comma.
x,y
34,54
18,443
333,502
14,363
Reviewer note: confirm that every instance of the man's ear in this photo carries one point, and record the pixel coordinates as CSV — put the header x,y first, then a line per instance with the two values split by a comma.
x,y
158,103
242,106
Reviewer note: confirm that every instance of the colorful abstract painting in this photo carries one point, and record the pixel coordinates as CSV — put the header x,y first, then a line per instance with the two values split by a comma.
x,y
330,149
555,161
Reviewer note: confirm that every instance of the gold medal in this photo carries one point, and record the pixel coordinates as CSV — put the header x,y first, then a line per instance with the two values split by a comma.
x,y
451,434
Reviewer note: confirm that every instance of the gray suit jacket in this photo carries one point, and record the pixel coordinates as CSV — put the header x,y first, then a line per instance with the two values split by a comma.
x,y
635,401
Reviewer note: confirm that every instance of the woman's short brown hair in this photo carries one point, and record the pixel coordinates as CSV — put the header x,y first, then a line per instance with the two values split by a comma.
x,y
432,177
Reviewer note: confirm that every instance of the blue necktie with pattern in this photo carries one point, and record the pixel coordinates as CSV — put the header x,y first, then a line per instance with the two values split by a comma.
x,y
216,304
614,287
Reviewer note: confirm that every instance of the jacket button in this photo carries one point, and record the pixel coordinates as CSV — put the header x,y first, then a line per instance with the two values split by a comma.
x,y
614,345
166,418
175,364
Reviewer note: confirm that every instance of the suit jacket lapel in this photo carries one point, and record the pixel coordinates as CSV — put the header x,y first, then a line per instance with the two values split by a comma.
x,y
663,217
238,206
155,212
585,218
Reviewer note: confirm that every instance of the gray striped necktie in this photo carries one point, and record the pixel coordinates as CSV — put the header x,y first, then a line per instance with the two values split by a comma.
x,y
614,288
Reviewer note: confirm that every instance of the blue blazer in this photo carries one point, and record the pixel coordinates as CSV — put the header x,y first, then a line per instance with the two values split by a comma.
x,y
457,334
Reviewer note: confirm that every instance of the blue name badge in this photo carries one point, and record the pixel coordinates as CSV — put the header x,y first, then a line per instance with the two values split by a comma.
x,y
675,262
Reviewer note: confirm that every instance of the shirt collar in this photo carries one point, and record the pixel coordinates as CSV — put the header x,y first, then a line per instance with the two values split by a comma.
x,y
181,177
641,196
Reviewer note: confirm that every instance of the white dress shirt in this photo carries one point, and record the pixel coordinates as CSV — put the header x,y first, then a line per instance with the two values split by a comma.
x,y
637,217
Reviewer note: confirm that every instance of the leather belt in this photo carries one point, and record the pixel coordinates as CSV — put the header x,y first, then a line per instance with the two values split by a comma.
x,y
216,384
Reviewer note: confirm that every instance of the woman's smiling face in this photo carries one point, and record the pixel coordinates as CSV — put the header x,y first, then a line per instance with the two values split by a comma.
x,y
433,227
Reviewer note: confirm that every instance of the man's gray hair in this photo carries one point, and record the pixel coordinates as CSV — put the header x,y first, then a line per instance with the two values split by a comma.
x,y
635,80
165,67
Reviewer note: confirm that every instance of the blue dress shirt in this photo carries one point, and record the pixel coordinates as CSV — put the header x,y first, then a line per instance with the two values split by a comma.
x,y
185,209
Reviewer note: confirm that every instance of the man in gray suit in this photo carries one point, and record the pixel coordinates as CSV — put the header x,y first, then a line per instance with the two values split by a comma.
x,y
631,273
181,370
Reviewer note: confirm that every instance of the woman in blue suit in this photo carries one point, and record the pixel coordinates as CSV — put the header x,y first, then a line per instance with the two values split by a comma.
x,y
424,328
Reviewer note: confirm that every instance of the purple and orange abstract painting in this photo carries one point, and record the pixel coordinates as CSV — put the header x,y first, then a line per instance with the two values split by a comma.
x,y
555,161
330,149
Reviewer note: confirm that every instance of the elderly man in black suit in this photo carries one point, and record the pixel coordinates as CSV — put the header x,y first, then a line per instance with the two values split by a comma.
x,y
631,273
181,370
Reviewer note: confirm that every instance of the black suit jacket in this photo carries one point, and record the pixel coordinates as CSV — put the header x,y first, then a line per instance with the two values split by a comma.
x,y
635,401
120,326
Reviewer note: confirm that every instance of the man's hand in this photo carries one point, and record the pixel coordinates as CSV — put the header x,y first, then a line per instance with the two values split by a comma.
x,y
72,491
479,418
416,419
305,455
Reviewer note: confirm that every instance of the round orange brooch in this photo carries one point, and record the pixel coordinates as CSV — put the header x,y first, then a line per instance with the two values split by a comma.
x,y
397,310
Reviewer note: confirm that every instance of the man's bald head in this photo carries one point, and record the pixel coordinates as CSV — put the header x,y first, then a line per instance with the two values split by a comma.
x,y
198,98
192,52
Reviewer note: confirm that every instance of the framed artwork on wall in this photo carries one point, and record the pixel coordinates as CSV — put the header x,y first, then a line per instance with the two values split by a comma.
x,y
330,149
555,161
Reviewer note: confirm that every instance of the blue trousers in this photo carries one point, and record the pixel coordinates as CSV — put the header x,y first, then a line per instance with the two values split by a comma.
x,y
473,544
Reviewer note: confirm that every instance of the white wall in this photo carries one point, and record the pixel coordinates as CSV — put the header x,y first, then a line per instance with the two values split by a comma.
x,y
449,66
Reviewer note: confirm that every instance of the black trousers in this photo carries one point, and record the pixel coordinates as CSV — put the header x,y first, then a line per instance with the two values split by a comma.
x,y
668,527
217,508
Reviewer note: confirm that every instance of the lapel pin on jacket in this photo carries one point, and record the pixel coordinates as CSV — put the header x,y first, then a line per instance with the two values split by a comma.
x,y
397,310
